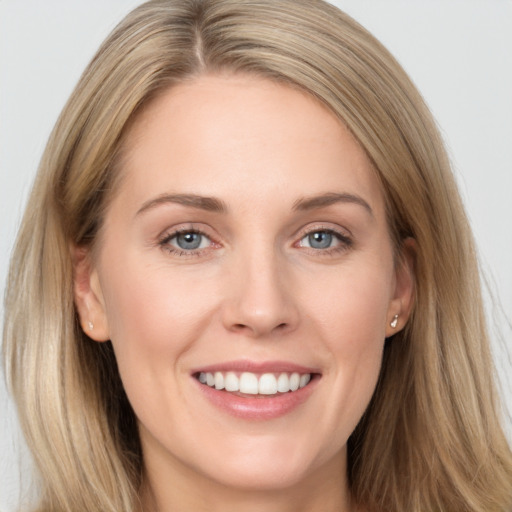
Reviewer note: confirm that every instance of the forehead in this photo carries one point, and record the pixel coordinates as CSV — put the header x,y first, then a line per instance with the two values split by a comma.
x,y
244,138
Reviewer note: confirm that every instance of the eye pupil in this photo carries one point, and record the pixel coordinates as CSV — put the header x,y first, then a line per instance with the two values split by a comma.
x,y
320,239
188,240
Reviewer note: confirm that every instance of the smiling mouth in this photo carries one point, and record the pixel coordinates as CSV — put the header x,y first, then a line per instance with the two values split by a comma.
x,y
253,384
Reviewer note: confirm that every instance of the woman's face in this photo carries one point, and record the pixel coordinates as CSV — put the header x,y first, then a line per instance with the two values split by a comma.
x,y
247,247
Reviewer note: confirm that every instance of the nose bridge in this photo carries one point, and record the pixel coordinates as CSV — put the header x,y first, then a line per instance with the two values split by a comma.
x,y
259,300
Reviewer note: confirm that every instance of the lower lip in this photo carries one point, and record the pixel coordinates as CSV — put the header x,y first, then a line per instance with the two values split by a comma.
x,y
259,407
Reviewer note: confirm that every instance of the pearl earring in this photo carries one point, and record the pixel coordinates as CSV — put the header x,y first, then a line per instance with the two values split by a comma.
x,y
90,325
394,322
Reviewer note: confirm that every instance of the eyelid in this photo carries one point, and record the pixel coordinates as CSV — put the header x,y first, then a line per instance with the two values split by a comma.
x,y
342,234
170,233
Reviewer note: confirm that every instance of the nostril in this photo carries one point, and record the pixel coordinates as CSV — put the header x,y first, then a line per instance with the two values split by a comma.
x,y
243,327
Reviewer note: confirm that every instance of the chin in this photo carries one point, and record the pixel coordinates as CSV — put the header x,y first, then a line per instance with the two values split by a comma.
x,y
252,477
273,466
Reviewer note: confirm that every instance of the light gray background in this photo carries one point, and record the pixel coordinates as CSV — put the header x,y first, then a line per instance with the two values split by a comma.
x,y
459,53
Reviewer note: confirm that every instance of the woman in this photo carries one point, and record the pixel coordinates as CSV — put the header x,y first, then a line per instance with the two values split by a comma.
x,y
240,297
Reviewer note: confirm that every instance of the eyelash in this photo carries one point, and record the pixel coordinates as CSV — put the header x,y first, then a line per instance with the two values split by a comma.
x,y
345,242
164,243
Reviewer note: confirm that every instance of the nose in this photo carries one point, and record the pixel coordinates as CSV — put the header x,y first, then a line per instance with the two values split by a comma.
x,y
260,300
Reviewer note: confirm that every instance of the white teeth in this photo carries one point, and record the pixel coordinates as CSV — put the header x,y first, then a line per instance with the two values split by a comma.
x,y
294,381
249,383
304,379
253,384
283,383
219,380
267,384
231,382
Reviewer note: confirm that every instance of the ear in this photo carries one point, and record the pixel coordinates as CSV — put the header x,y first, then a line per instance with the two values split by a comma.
x,y
88,295
400,306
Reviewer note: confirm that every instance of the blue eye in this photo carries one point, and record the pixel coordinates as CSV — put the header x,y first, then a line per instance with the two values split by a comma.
x,y
320,239
187,241
324,239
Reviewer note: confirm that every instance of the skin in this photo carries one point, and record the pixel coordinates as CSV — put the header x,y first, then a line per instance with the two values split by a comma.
x,y
255,290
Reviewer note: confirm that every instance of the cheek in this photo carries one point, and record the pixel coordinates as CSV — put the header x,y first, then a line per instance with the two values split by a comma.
x,y
351,315
154,315
154,319
352,306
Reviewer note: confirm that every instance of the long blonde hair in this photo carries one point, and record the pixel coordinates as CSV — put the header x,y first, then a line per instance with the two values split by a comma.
x,y
431,438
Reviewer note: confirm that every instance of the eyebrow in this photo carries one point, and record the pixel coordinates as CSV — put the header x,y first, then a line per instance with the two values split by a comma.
x,y
328,199
210,204
215,205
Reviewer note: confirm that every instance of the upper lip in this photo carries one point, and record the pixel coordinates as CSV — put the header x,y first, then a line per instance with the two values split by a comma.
x,y
256,367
